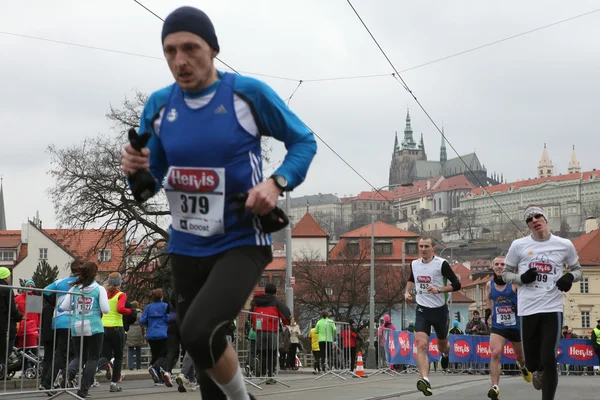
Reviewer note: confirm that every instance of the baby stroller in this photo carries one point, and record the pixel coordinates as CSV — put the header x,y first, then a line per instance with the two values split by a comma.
x,y
22,360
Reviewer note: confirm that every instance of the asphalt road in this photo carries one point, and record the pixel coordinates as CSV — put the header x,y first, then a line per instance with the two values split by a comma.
x,y
305,387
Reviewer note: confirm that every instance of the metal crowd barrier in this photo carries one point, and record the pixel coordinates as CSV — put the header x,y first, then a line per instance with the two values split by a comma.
x,y
257,342
384,365
29,359
336,355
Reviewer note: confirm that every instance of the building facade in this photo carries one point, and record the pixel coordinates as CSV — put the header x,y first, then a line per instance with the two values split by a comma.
x,y
567,200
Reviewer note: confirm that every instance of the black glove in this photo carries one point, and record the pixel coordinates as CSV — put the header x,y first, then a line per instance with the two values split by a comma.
x,y
271,222
565,282
142,182
529,276
488,312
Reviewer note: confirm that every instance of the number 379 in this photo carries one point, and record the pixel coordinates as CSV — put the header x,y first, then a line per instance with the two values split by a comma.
x,y
194,204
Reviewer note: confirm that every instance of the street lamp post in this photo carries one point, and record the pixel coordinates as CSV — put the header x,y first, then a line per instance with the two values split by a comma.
x,y
371,364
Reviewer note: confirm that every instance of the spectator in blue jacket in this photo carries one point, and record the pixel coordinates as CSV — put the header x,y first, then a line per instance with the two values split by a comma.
x,y
155,318
60,320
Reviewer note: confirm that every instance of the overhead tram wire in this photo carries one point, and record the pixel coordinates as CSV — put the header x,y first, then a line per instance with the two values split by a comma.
x,y
330,148
317,79
398,77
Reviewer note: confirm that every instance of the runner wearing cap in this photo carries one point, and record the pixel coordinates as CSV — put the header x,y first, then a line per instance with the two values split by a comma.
x,y
204,148
535,263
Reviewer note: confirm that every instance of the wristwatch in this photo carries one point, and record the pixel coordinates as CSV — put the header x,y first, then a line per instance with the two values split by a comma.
x,y
281,181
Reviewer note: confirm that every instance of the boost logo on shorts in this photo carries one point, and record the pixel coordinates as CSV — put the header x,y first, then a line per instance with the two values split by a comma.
x,y
581,352
483,350
509,351
542,268
404,342
433,347
461,348
193,180
423,279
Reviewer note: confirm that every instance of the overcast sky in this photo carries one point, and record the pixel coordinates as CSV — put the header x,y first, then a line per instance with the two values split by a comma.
x,y
505,101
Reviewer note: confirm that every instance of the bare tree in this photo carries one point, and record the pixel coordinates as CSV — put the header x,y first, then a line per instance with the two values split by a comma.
x,y
423,215
359,220
342,287
591,209
565,228
461,222
330,222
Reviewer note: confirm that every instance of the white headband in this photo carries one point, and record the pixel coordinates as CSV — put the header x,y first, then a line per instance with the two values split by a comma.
x,y
530,211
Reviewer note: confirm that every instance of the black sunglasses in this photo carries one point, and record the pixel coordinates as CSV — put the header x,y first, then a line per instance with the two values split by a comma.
x,y
536,216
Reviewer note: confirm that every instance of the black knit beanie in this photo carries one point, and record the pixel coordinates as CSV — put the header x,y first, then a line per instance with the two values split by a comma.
x,y
190,19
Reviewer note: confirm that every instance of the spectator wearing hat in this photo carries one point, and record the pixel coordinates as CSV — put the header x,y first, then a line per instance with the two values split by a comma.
x,y
28,333
455,329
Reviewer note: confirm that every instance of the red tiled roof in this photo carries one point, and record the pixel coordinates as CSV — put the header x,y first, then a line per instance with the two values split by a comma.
x,y
10,239
86,244
417,189
278,264
453,183
382,195
381,230
346,199
463,273
588,248
458,297
308,227
531,182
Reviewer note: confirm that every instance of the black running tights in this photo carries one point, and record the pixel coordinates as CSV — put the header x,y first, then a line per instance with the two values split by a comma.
x,y
211,291
540,335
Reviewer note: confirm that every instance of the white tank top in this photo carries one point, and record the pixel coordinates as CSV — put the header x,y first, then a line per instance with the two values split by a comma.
x,y
429,274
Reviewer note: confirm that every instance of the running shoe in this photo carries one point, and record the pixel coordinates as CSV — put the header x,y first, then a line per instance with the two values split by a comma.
x,y
425,387
494,393
537,379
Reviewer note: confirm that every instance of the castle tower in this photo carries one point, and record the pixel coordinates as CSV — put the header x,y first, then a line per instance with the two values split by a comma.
x,y
574,167
408,143
545,166
443,154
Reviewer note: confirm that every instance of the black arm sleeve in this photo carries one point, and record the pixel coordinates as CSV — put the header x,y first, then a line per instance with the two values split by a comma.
x,y
411,278
451,276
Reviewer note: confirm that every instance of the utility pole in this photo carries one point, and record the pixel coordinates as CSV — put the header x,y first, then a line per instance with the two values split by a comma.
x,y
289,290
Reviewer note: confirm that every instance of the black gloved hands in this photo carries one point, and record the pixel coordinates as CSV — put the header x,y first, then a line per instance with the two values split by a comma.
x,y
565,282
271,222
529,276
142,182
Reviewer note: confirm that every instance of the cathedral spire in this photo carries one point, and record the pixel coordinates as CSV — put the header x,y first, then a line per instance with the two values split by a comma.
x,y
2,212
545,166
574,164
408,143
422,147
396,143
443,154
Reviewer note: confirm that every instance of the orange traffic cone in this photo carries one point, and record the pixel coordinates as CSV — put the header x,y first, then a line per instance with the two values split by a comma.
x,y
360,370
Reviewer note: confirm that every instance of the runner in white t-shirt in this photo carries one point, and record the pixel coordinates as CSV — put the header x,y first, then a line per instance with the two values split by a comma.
x,y
536,263
433,279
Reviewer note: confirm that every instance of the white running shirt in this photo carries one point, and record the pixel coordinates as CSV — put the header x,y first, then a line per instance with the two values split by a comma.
x,y
549,257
